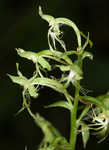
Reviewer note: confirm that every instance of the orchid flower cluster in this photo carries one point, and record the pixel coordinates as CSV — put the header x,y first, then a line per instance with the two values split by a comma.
x,y
94,111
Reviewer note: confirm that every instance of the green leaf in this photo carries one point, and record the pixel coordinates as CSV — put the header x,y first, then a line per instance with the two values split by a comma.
x,y
63,104
60,143
49,131
93,100
85,134
83,113
54,84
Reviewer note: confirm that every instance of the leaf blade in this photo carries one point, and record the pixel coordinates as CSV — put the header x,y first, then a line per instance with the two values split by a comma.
x,y
63,104
93,100
54,84
85,134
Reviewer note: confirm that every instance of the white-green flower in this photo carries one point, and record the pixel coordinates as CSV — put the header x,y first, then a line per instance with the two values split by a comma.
x,y
99,123
26,83
72,74
54,32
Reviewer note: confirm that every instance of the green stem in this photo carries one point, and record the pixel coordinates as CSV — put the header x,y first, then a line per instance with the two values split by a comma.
x,y
73,130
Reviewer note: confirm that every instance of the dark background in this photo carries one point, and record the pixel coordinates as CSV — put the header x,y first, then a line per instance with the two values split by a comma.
x,y
21,26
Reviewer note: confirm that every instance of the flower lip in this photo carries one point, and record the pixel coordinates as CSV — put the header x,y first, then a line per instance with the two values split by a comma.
x,y
71,75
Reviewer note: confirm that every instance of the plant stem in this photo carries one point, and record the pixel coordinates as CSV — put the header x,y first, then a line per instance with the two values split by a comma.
x,y
73,130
